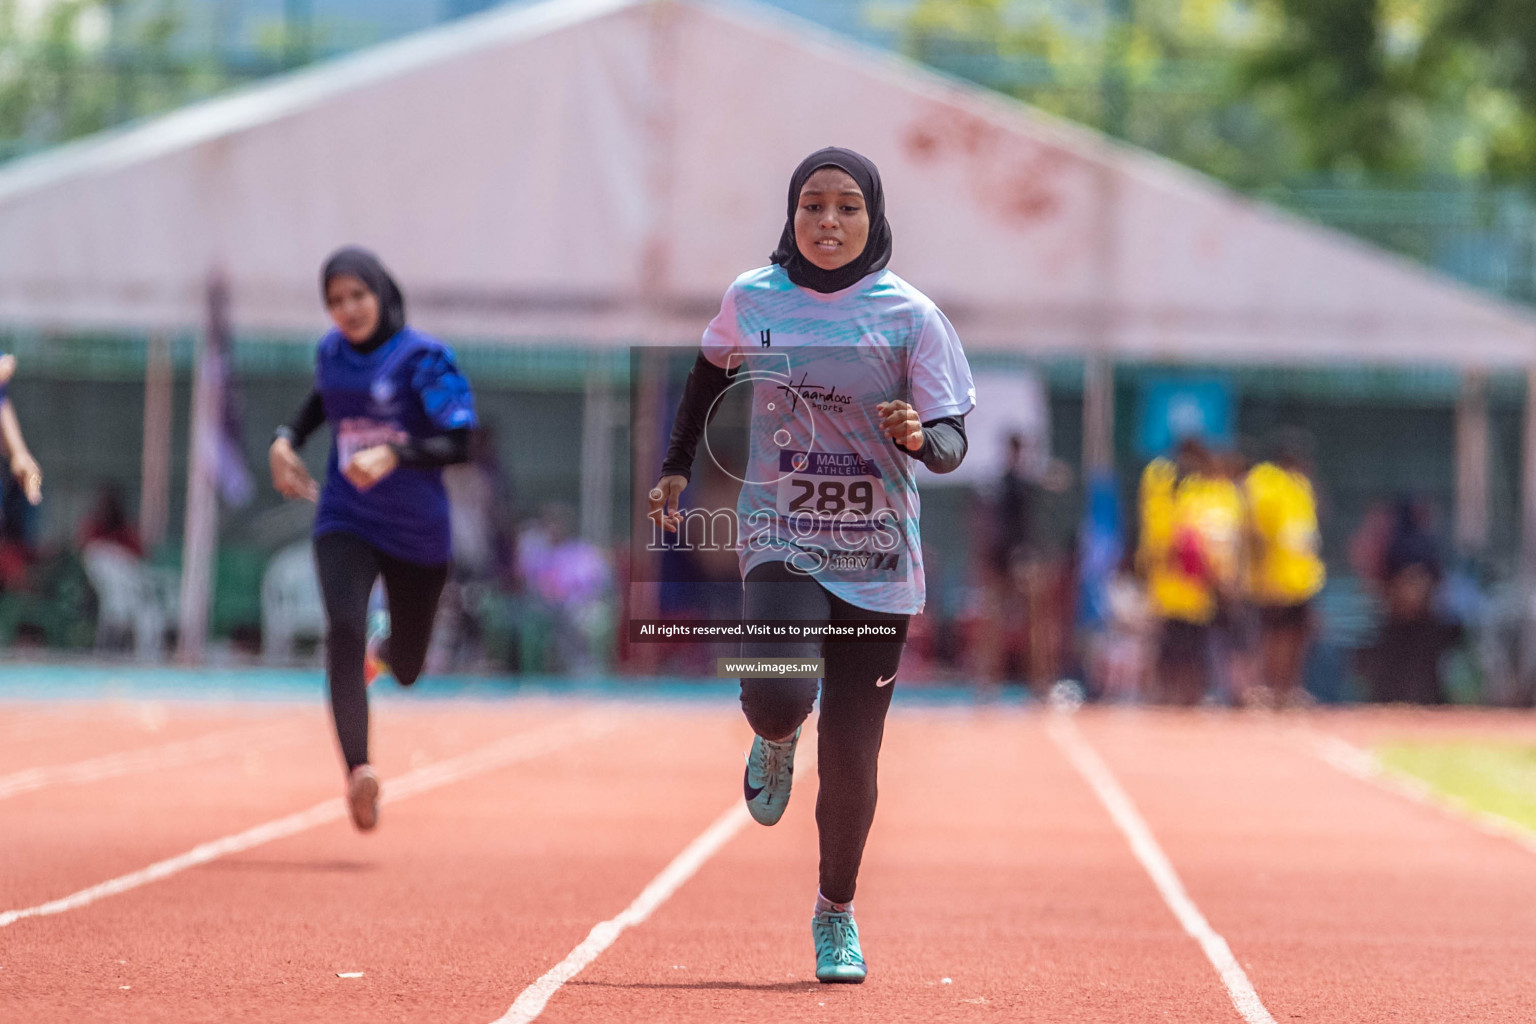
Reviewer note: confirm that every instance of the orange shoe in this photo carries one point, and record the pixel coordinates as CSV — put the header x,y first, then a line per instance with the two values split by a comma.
x,y
374,664
373,667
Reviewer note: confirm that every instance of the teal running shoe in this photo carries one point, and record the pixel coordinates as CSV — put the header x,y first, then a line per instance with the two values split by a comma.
x,y
839,960
770,773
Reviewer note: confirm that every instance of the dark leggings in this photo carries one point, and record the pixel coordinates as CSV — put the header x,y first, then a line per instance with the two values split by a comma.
x,y
348,565
853,708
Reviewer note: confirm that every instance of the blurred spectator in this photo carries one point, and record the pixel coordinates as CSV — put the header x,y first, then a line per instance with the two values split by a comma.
x,y
571,584
1412,564
1023,634
1287,569
1004,623
1368,545
1015,506
1404,664
108,522
484,550
1225,531
1117,651
1112,615
130,611
1101,550
1191,517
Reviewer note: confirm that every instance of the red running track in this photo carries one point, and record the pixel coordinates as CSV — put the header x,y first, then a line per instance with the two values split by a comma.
x,y
996,886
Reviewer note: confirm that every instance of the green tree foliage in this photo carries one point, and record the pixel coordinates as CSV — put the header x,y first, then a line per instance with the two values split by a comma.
x,y
1352,96
43,93
1165,74
1482,56
1394,89
70,67
1259,92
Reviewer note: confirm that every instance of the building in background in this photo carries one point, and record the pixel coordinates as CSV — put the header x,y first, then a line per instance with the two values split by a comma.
x,y
1056,250
1166,75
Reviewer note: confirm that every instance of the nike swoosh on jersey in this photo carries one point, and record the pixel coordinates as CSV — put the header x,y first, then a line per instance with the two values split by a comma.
x,y
886,682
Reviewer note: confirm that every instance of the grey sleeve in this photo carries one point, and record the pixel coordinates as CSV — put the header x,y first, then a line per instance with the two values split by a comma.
x,y
944,444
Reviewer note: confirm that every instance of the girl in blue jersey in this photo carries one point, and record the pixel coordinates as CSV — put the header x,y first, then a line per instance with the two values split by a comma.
x,y
399,411
855,378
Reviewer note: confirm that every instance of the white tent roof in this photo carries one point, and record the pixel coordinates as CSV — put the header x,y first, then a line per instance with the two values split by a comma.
x,y
599,170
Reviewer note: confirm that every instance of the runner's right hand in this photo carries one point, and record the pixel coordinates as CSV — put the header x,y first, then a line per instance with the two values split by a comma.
x,y
664,501
289,474
27,473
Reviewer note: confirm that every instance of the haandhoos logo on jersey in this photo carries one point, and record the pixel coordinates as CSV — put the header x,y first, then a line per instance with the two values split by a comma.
x,y
821,397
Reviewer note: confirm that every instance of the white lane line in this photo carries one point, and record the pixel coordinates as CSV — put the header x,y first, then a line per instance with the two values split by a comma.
x,y
531,1002
495,755
169,755
533,998
52,719
1065,734
1365,766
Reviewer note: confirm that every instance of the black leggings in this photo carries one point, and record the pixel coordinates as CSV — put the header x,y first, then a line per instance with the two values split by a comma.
x,y
855,696
348,565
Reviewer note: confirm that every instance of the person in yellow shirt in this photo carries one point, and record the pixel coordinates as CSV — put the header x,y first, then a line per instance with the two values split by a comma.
x,y
1190,556
1286,568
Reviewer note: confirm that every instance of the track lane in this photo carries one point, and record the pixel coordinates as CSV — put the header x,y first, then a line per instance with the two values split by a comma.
x,y
176,754
464,896
1345,902
70,733
990,864
57,841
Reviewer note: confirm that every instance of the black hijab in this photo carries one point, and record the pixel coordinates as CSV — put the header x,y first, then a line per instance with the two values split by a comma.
x,y
877,250
352,261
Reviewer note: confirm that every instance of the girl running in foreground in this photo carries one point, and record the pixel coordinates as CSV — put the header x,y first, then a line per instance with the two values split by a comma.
x,y
399,411
855,376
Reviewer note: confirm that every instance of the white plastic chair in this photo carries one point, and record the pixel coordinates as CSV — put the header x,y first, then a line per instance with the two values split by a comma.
x,y
290,602
127,597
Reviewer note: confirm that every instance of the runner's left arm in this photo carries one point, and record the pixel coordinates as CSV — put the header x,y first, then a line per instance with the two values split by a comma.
x,y
450,405
943,392
944,444
427,452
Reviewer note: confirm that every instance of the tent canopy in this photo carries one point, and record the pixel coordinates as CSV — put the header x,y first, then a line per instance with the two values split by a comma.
x,y
599,171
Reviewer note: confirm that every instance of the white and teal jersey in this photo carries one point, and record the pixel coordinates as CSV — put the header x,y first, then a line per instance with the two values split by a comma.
x,y
824,489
